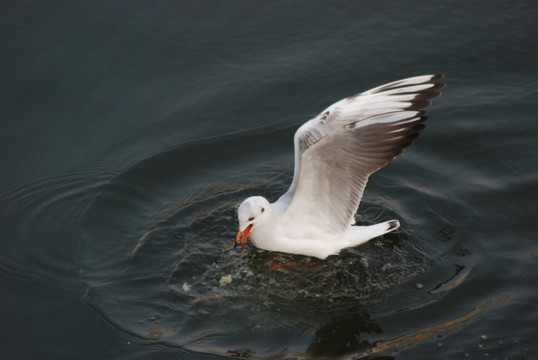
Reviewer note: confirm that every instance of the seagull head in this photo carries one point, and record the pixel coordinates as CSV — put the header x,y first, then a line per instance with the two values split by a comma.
x,y
251,213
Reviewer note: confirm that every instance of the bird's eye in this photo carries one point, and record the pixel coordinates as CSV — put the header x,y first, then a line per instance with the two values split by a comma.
x,y
251,218
263,209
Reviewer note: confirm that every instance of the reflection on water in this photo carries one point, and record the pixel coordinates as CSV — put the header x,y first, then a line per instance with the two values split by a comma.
x,y
332,346
435,331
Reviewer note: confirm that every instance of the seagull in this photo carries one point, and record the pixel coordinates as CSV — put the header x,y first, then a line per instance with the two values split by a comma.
x,y
335,153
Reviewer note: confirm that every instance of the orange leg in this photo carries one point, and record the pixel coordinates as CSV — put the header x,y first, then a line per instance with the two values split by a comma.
x,y
274,266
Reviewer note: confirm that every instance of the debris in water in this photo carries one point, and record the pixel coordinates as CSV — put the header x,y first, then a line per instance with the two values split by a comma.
x,y
225,280
156,334
186,287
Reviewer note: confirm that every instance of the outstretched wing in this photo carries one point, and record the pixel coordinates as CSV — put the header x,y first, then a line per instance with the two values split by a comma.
x,y
339,149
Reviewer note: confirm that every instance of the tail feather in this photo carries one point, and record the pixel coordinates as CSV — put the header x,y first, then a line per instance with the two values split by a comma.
x,y
393,225
361,234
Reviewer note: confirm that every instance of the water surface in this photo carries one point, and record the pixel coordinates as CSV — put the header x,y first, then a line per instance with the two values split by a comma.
x,y
132,131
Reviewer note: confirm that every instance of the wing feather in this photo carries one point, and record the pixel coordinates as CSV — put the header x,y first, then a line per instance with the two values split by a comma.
x,y
338,150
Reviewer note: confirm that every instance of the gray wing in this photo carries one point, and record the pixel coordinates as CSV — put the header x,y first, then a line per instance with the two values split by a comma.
x,y
338,150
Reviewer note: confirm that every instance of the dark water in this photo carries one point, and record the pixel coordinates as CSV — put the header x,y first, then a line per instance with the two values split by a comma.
x,y
130,132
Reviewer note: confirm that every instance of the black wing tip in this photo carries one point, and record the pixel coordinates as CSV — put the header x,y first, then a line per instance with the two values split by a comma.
x,y
423,98
393,225
440,85
419,103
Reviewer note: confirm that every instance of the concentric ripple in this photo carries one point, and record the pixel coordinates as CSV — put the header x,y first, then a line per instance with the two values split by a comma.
x,y
158,262
38,222
151,249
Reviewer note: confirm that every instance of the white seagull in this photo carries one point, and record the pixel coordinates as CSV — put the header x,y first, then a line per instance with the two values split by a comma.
x,y
335,153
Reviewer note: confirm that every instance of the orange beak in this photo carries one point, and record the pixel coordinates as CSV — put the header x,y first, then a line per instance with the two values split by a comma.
x,y
243,234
